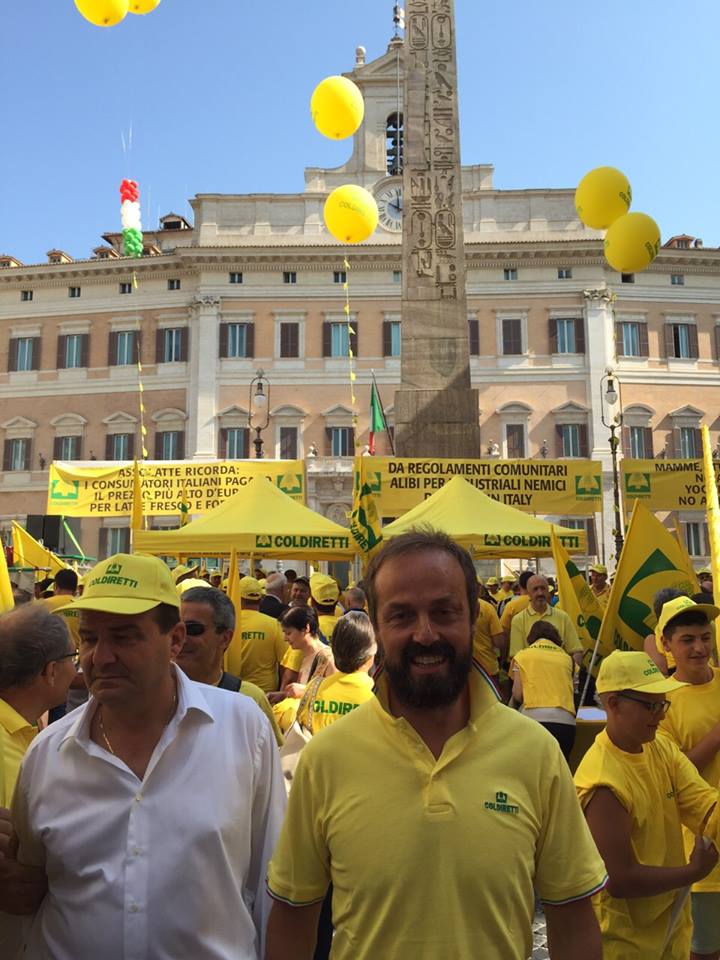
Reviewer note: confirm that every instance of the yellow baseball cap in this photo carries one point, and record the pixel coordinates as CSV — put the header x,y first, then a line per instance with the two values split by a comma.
x,y
633,670
706,571
680,605
180,570
508,578
323,589
598,568
250,588
491,582
127,585
190,583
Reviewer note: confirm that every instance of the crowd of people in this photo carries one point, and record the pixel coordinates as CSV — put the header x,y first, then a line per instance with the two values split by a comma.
x,y
379,772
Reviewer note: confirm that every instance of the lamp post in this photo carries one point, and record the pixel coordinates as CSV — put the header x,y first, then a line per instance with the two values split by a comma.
x,y
259,409
609,399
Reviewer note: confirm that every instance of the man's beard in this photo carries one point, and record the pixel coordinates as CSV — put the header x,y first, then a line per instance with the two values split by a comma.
x,y
435,690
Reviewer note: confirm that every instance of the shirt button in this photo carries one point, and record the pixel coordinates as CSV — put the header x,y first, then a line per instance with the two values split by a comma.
x,y
138,797
136,851
134,908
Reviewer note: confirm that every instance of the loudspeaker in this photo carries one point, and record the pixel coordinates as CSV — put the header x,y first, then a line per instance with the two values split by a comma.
x,y
45,528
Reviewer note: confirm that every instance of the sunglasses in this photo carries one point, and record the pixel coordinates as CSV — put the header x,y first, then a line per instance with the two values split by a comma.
x,y
193,628
652,706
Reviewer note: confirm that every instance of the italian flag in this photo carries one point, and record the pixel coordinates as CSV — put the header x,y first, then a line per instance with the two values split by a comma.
x,y
377,418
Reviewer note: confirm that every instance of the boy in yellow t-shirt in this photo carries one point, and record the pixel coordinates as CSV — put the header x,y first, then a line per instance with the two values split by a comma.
x,y
693,725
637,790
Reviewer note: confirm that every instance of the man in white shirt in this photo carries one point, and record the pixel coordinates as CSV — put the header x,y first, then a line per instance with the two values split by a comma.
x,y
155,807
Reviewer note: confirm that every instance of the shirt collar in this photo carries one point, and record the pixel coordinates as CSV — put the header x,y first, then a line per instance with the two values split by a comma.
x,y
532,612
190,698
11,720
483,693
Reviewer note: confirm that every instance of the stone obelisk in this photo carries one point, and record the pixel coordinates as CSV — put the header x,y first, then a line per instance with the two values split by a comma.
x,y
436,410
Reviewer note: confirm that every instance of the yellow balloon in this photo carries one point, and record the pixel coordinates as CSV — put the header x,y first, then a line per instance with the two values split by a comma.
x,y
143,6
337,107
602,196
103,13
351,214
632,243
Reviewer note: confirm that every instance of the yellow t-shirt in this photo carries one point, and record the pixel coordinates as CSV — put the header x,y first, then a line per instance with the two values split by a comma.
x,y
327,623
524,620
16,735
486,625
338,695
660,789
510,609
503,595
292,659
258,695
256,649
546,672
500,792
603,596
694,712
70,616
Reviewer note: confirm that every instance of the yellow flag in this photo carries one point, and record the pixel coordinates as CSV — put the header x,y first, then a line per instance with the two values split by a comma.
x,y
233,592
7,601
27,552
136,517
364,519
184,507
650,560
579,602
712,507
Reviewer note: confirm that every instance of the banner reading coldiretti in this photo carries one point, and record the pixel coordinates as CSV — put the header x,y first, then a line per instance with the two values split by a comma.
x,y
665,484
78,490
556,487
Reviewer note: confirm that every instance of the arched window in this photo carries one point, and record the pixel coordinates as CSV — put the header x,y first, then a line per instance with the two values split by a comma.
x,y
394,141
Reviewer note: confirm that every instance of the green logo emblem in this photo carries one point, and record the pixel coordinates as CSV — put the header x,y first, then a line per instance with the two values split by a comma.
x,y
263,542
588,486
492,540
290,483
637,484
114,568
71,490
501,805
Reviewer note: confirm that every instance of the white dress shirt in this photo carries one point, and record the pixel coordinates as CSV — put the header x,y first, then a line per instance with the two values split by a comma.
x,y
168,867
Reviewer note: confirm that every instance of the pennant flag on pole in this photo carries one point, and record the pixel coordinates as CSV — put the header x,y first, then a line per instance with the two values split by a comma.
x,y
377,419
650,560
28,552
7,601
364,518
579,603
136,516
233,593
184,507
712,507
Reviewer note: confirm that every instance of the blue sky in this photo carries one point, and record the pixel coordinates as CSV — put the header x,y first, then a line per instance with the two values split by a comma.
x,y
217,93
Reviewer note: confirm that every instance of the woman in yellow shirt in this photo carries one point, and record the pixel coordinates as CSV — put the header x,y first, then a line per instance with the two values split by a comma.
x,y
543,683
314,659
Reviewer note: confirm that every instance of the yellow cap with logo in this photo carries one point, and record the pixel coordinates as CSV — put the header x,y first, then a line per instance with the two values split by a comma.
x,y
674,608
491,582
250,588
633,670
598,568
323,589
181,571
127,585
191,582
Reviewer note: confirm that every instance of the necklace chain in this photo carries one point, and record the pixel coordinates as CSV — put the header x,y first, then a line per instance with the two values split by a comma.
x,y
104,735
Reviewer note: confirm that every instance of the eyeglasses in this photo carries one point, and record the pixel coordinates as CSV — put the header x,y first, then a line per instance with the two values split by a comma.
x,y
193,628
652,706
67,656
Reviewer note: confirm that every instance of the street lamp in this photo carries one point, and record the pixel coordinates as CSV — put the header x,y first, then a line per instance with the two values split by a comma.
x,y
609,398
259,409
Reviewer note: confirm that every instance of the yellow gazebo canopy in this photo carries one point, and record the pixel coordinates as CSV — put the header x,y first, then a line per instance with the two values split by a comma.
x,y
486,527
260,520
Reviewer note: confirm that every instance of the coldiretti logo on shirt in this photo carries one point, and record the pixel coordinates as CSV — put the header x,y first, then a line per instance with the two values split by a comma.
x,y
501,804
334,707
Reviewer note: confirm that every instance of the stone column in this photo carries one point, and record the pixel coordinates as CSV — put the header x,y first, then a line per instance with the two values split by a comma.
x,y
600,327
201,439
436,410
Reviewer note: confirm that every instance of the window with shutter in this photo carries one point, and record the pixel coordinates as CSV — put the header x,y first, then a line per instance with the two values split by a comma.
x,y
553,334
289,340
512,336
288,443
327,339
474,333
579,335
515,440
237,443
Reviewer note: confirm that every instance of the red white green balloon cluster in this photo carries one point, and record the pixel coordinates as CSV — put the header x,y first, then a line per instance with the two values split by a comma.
x,y
130,218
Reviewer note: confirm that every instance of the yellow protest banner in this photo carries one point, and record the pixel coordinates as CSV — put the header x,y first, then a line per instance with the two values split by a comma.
x,y
79,490
557,487
650,559
665,484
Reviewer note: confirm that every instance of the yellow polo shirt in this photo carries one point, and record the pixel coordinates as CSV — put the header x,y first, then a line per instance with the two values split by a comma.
x,y
660,789
327,623
486,625
602,597
524,620
16,735
256,649
500,793
338,695
70,616
694,712
546,673
511,608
